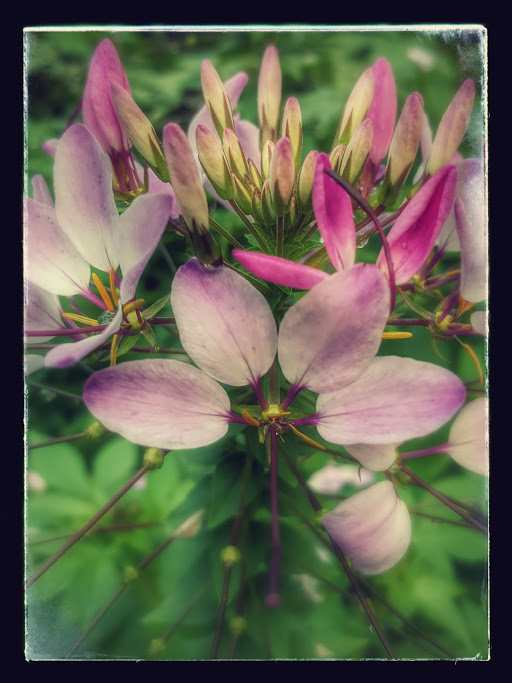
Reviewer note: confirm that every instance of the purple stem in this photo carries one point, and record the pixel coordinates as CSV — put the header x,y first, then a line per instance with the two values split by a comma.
x,y
293,392
256,387
450,302
273,599
429,267
409,321
64,333
434,450
440,283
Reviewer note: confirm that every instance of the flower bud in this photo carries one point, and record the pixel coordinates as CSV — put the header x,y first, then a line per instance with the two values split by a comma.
x,y
214,162
382,111
305,182
234,153
238,625
357,152
243,195
95,430
254,174
257,208
216,98
452,127
282,176
156,646
291,127
266,158
356,107
140,131
267,204
336,158
130,573
403,149
98,112
269,95
153,458
230,555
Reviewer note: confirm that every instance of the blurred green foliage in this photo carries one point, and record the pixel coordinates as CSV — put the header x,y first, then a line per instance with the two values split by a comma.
x,y
440,585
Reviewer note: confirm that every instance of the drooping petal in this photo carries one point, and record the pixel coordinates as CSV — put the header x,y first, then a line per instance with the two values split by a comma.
x,y
141,226
65,355
225,324
376,457
33,363
382,112
83,197
42,312
329,337
373,528
394,400
334,216
41,191
51,260
99,114
416,230
50,147
279,270
473,255
469,437
160,403
333,477
479,322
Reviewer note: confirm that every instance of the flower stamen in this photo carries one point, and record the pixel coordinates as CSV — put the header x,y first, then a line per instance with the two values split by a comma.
x,y
113,289
306,438
90,322
103,292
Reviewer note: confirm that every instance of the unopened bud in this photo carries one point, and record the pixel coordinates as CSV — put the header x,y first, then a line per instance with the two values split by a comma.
x,y
356,107
452,127
95,430
266,158
267,205
269,95
216,98
153,458
243,194
291,127
230,555
257,209
234,153
130,574
139,130
214,162
305,182
255,175
156,646
282,176
336,158
238,625
357,152
403,149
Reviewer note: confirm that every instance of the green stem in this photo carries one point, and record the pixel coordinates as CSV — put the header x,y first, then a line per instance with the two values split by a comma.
x,y
60,439
279,235
229,238
58,392
99,530
250,227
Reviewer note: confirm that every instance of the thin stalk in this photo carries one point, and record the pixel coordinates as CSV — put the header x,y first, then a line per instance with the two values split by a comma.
x,y
235,534
444,499
250,227
279,235
408,321
229,238
310,232
161,321
342,559
167,258
99,530
64,333
292,233
58,392
81,532
60,439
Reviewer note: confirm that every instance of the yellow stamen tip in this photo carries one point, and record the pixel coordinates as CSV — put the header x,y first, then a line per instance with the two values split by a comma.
x,y
396,335
113,289
474,359
306,438
90,322
250,419
113,349
133,305
103,292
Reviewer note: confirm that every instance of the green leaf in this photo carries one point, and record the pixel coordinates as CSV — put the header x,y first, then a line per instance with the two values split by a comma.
x,y
155,308
115,464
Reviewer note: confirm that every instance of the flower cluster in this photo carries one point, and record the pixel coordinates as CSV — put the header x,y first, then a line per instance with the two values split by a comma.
x,y
302,218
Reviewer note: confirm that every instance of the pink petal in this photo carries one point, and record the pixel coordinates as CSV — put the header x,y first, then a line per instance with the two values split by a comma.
x,y
50,147
329,337
279,270
225,324
373,528
334,216
65,355
51,260
469,437
99,114
382,112
333,477
141,226
376,457
412,237
473,255
157,186
394,400
248,136
83,197
42,312
41,191
160,403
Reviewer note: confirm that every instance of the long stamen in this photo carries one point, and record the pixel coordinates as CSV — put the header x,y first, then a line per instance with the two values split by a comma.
x,y
103,292
80,319
306,438
250,419
396,335
113,289
113,349
132,306
474,359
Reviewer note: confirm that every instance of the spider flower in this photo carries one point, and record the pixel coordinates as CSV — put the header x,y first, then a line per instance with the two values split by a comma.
x,y
83,230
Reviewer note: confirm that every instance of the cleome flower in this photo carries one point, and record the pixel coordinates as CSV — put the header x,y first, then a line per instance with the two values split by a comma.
x,y
84,229
326,343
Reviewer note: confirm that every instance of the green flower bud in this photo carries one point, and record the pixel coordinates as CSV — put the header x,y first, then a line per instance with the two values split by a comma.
x,y
216,98
305,182
336,158
153,458
234,153
357,152
269,95
282,176
130,574
156,646
95,430
238,625
356,107
291,127
266,159
214,162
230,555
